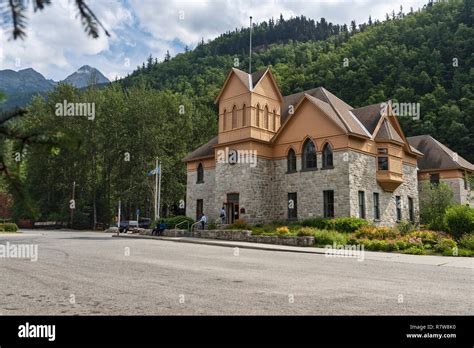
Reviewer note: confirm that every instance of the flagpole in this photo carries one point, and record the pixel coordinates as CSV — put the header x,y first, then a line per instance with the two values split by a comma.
x,y
156,191
159,191
119,213
250,51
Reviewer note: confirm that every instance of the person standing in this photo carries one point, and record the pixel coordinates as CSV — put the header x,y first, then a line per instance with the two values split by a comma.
x,y
203,221
223,215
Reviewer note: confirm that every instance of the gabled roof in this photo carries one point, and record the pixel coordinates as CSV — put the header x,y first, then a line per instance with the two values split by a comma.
x,y
206,150
340,110
386,132
248,80
369,116
436,155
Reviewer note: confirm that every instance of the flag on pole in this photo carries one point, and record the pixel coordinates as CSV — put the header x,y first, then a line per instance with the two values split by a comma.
x,y
154,171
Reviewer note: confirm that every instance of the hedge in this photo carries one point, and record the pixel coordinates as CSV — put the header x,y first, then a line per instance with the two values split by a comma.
x,y
343,224
8,227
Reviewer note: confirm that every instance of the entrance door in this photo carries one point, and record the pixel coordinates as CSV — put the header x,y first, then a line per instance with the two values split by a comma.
x,y
232,207
199,208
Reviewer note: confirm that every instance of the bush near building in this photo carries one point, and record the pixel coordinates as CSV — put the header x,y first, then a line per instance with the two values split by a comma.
x,y
434,200
8,227
459,220
171,222
343,224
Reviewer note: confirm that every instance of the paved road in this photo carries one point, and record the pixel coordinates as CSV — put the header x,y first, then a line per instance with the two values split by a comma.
x,y
92,273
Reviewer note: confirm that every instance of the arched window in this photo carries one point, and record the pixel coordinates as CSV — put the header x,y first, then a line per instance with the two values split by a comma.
x,y
309,155
327,156
291,161
224,120
234,117
200,174
244,115
257,116
265,118
274,120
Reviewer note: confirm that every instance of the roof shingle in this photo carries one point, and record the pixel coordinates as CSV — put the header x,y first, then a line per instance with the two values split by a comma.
x,y
437,155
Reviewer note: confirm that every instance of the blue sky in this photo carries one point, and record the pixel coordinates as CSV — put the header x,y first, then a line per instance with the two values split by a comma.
x,y
56,44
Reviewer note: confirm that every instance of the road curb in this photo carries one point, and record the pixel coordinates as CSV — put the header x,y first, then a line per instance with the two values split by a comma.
x,y
429,260
227,244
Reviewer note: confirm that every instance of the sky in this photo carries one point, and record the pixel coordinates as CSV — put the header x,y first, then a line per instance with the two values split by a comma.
x,y
56,44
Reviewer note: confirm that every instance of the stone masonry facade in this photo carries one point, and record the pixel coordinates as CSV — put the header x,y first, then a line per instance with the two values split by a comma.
x,y
263,189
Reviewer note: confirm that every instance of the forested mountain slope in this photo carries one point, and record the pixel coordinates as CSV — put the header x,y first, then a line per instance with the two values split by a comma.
x,y
421,57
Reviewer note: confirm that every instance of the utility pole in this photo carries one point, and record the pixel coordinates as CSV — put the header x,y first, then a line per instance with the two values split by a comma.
x,y
250,52
159,189
119,213
156,190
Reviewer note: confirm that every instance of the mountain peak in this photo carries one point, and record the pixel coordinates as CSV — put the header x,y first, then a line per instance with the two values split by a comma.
x,y
85,68
84,76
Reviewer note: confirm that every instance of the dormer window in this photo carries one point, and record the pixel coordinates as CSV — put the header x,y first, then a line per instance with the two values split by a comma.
x,y
382,158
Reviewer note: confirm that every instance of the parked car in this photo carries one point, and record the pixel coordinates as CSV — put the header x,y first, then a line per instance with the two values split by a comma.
x,y
126,225
144,222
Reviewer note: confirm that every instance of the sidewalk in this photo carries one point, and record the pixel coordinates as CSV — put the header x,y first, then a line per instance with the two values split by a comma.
x,y
442,261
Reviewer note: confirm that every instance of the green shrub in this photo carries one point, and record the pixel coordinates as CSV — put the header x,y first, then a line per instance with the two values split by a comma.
x,y
392,246
211,226
305,231
379,245
375,244
459,220
465,252
171,222
405,227
445,245
401,245
434,200
318,223
343,224
414,250
8,227
325,237
467,241
348,224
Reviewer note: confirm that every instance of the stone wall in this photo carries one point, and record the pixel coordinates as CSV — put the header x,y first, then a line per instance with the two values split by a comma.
x,y
253,183
204,191
309,186
461,195
263,189
362,177
242,236
282,240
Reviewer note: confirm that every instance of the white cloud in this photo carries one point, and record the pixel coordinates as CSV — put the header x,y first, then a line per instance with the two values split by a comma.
x,y
57,45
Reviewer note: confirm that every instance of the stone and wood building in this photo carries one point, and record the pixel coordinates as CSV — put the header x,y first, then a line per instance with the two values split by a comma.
x,y
441,164
304,155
